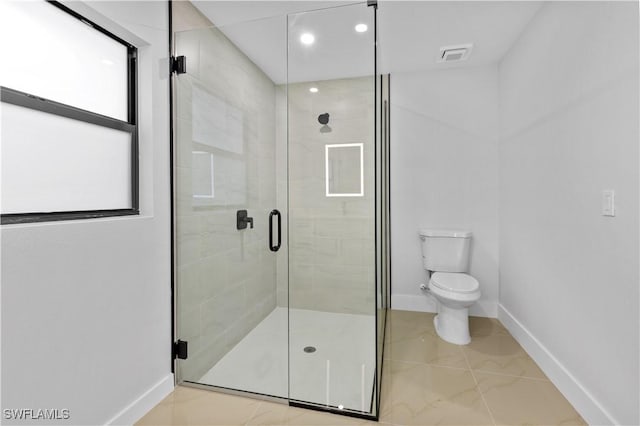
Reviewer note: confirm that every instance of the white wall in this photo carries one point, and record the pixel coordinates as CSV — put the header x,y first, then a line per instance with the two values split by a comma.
x,y
444,174
86,312
569,276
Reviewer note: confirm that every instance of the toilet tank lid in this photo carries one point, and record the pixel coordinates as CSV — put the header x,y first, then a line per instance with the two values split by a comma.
x,y
451,233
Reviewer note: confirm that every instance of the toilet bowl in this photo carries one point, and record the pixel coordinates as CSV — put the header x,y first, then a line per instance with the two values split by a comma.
x,y
455,292
445,255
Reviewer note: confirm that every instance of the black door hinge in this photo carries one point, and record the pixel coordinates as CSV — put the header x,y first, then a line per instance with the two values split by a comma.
x,y
180,350
373,3
179,64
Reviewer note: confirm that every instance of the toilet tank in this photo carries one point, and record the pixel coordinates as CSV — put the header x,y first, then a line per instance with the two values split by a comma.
x,y
445,250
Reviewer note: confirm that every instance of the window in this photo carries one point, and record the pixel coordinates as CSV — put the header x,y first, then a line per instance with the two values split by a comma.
x,y
68,134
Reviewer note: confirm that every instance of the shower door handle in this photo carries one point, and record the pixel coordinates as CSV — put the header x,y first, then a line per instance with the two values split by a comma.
x,y
273,213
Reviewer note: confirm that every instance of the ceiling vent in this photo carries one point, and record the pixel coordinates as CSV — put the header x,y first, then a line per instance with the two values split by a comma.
x,y
455,53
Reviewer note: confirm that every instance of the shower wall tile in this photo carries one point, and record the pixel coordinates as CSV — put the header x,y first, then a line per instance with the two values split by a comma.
x,y
183,151
214,275
186,17
188,248
340,227
302,275
226,278
189,327
331,239
282,290
356,251
256,290
183,99
190,291
342,276
313,250
300,224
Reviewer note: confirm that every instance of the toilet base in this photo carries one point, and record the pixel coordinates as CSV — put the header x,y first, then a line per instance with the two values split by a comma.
x,y
452,325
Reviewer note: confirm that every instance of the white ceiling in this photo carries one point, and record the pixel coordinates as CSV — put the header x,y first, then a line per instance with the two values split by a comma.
x,y
410,34
413,32
223,13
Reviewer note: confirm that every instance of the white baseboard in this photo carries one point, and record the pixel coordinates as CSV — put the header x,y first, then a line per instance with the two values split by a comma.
x,y
581,399
141,406
425,303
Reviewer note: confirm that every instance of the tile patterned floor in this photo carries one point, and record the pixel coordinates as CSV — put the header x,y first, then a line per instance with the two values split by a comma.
x,y
426,381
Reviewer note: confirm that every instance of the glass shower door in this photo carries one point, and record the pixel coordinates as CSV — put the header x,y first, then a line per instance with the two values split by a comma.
x,y
228,306
331,100
277,144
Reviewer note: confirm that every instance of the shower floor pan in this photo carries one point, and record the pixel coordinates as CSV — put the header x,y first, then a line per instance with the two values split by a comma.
x,y
339,373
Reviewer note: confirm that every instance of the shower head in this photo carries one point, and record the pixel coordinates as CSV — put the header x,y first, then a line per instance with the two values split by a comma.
x,y
323,118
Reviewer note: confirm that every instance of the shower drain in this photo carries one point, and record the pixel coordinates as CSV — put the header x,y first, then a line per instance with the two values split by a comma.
x,y
309,349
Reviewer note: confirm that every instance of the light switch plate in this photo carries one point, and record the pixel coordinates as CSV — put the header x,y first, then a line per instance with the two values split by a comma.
x,y
608,203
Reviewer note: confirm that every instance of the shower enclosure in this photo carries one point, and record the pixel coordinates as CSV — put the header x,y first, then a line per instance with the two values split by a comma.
x,y
280,204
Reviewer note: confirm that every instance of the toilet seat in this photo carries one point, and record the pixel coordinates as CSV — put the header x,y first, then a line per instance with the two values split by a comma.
x,y
455,282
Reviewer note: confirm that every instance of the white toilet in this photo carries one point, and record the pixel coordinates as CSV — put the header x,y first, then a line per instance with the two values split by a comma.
x,y
445,255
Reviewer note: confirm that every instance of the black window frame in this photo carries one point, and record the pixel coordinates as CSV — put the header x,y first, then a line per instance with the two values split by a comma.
x,y
35,102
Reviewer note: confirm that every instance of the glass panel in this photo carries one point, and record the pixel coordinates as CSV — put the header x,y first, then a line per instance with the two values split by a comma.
x,y
56,56
263,122
382,228
332,262
62,164
231,291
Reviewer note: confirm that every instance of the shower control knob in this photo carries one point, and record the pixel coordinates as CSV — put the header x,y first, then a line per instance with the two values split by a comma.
x,y
242,219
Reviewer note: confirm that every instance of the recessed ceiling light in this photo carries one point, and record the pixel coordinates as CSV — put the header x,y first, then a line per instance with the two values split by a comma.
x,y
361,28
313,89
307,38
